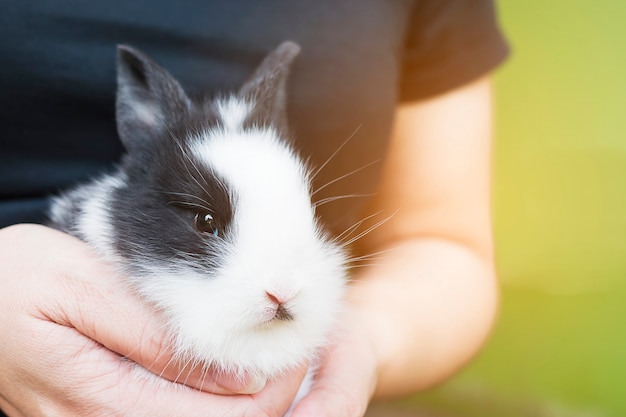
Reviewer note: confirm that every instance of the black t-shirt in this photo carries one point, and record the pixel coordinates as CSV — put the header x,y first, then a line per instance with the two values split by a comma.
x,y
359,59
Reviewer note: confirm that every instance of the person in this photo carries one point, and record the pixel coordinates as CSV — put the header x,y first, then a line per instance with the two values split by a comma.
x,y
391,99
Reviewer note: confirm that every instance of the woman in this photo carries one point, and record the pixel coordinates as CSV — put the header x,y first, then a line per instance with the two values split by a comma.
x,y
395,94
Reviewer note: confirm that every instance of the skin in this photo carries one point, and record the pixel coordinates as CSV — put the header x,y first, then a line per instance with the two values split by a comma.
x,y
416,315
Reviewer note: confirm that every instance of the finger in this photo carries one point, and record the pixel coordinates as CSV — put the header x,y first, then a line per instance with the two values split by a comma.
x,y
344,384
273,401
279,394
97,382
96,300
9,409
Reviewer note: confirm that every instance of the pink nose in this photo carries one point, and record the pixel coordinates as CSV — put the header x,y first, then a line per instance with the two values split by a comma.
x,y
280,311
277,299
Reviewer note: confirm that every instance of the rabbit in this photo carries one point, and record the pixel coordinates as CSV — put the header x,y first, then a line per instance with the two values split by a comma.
x,y
209,215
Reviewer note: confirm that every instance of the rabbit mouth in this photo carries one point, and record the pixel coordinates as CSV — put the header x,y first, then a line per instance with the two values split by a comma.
x,y
277,313
283,314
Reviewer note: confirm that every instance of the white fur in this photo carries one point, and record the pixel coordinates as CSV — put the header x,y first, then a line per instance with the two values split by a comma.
x,y
274,246
233,112
94,223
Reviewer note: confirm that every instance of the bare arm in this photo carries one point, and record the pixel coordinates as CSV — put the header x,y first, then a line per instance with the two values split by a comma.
x,y
430,303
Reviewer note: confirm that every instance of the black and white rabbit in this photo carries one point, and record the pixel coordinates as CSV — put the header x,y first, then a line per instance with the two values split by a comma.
x,y
209,214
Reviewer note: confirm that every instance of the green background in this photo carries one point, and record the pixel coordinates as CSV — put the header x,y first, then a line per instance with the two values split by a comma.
x,y
559,348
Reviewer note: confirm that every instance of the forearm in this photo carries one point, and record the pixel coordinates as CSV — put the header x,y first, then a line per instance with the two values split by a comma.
x,y
424,332
429,302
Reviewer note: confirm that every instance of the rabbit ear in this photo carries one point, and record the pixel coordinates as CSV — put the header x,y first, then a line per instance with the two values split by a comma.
x,y
267,87
148,98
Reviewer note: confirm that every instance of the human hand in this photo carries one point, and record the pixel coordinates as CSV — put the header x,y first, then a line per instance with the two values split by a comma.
x,y
67,324
346,378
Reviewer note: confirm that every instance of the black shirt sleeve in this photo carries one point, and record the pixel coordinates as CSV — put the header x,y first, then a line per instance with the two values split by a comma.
x,y
450,43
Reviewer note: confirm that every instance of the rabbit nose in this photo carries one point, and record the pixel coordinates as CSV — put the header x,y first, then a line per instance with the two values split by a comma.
x,y
277,299
281,312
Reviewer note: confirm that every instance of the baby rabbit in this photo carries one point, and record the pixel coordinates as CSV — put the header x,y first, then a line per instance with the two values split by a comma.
x,y
209,215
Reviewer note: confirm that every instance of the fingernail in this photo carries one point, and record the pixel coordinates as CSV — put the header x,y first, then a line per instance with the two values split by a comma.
x,y
256,384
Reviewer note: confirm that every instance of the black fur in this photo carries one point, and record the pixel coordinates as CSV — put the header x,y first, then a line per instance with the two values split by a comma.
x,y
268,88
158,205
166,187
163,187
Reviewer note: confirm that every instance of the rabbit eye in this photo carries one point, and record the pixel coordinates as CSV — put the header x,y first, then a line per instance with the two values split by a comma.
x,y
205,223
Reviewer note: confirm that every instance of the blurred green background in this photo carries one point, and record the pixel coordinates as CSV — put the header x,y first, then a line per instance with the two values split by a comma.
x,y
559,349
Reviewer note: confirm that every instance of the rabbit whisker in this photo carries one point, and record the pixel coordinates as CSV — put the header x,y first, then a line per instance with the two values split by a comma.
x,y
355,226
341,197
188,204
319,169
369,164
369,229
191,196
191,161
